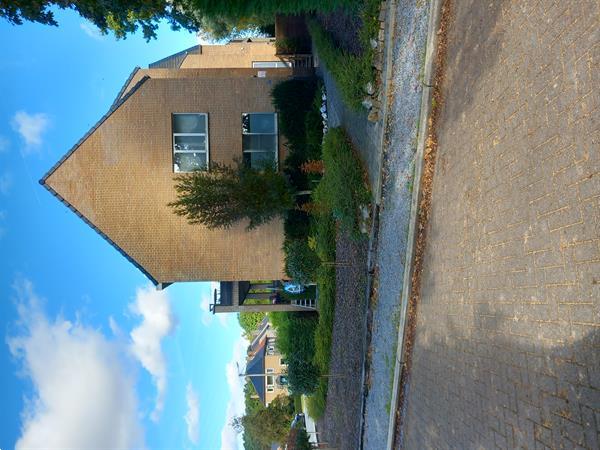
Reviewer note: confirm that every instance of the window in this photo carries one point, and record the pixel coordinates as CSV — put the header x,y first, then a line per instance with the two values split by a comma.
x,y
190,142
270,370
270,389
282,362
271,64
270,350
259,139
270,380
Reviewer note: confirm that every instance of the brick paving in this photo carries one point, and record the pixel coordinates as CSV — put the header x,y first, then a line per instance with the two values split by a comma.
x,y
507,345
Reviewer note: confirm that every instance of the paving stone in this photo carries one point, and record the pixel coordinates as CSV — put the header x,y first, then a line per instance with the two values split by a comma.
x,y
507,342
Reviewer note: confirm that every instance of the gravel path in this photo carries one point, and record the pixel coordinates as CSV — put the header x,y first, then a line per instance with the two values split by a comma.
x,y
408,56
340,423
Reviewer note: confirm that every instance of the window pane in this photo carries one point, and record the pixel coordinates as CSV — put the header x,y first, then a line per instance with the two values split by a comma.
x,y
189,123
258,123
270,380
189,162
263,142
189,143
259,160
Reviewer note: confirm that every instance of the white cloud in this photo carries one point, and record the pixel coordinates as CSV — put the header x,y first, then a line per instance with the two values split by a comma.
x,y
157,322
91,30
83,395
30,127
4,144
6,181
192,416
236,406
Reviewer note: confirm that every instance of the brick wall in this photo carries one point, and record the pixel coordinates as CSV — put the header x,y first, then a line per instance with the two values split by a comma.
x,y
121,179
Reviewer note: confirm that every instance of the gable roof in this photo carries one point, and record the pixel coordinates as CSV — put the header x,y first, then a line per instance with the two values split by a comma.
x,y
43,180
174,61
256,366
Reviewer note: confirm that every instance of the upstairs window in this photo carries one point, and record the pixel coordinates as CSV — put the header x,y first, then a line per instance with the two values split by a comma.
x,y
190,142
259,139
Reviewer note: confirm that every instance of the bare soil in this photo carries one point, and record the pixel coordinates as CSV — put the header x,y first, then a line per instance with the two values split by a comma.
x,y
339,426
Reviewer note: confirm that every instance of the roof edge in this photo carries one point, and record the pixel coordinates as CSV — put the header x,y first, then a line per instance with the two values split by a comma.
x,y
43,180
124,87
112,109
102,234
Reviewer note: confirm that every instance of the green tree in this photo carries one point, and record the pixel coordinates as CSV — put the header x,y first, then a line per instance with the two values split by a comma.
x,y
226,195
267,425
126,16
249,322
119,16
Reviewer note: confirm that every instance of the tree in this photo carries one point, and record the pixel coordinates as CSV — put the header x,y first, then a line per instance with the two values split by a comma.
x,y
126,16
227,195
267,425
249,322
119,16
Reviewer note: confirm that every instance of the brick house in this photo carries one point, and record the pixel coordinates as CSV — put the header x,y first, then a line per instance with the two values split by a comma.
x,y
205,104
265,366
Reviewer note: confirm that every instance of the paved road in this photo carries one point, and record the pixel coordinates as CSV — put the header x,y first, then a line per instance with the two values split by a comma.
x,y
507,349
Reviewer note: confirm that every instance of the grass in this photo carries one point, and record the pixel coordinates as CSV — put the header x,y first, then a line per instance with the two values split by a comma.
x,y
351,72
297,403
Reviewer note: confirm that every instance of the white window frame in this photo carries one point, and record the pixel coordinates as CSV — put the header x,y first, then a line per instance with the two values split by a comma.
x,y
205,134
276,134
282,362
270,389
267,380
270,370
271,64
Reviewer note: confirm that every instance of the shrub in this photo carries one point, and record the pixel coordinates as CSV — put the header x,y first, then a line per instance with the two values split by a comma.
x,y
343,189
295,340
301,262
350,72
296,224
292,99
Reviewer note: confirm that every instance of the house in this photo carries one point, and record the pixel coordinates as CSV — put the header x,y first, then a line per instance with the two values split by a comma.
x,y
202,105
266,368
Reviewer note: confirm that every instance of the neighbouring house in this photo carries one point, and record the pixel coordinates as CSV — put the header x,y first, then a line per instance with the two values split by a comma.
x,y
265,367
205,104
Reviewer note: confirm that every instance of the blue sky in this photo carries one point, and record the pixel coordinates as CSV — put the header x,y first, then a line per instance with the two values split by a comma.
x,y
85,336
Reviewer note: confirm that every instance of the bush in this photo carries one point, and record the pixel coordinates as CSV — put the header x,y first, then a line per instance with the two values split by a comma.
x,y
292,99
302,440
351,72
295,340
301,262
296,224
343,189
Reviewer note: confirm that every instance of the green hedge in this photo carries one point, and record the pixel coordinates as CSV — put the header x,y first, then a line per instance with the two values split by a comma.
x,y
343,189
